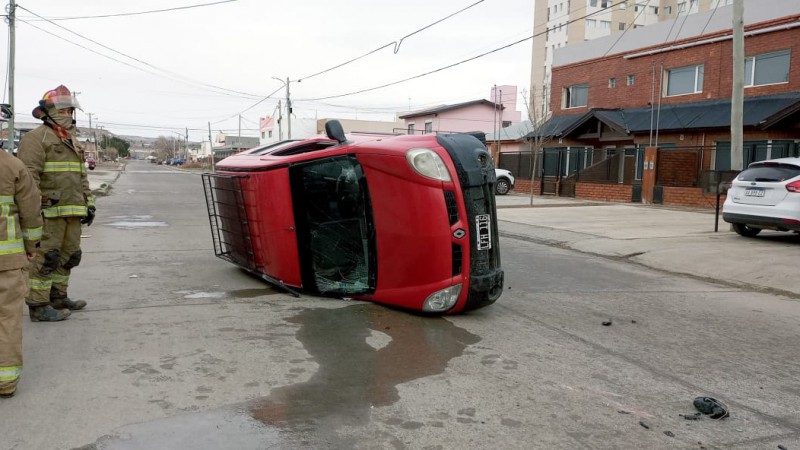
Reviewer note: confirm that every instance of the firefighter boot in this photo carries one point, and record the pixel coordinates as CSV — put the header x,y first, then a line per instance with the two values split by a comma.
x,y
61,301
47,313
8,393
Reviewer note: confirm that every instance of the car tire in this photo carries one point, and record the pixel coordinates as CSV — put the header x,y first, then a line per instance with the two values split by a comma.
x,y
745,230
502,186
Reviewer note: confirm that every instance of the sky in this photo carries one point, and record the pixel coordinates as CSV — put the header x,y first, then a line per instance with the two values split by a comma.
x,y
145,73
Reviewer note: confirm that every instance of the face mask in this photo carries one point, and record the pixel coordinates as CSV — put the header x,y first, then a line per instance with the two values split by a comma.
x,y
64,120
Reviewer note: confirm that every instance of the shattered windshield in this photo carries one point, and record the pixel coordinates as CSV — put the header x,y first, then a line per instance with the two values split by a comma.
x,y
335,226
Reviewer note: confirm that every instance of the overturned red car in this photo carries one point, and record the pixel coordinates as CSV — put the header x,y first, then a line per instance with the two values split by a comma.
x,y
408,221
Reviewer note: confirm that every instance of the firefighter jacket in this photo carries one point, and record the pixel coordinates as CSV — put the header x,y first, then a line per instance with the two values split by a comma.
x,y
59,170
20,221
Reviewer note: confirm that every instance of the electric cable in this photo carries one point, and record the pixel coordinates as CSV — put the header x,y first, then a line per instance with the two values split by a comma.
x,y
177,8
131,57
457,63
710,17
395,43
633,23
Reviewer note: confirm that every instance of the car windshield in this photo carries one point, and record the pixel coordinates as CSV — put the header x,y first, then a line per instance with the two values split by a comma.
x,y
770,173
335,227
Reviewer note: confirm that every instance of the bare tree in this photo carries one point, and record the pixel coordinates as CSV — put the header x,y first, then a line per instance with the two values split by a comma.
x,y
537,135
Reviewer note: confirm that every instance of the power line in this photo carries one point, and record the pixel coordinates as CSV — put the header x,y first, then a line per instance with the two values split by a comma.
x,y
460,62
140,12
395,43
178,76
633,23
249,107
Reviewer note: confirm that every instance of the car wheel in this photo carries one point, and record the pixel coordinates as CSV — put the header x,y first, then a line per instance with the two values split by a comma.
x,y
745,230
501,187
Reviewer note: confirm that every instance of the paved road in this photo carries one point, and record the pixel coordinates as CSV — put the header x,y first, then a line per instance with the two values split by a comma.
x,y
179,349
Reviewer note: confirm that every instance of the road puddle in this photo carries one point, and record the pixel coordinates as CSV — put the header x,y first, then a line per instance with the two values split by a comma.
x,y
364,351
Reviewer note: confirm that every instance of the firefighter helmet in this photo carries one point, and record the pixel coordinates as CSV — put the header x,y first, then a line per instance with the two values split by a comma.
x,y
58,98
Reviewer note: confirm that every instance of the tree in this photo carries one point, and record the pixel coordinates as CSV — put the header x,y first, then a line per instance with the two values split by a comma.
x,y
120,145
166,148
537,136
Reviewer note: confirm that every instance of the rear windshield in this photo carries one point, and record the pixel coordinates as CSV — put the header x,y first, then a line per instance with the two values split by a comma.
x,y
774,173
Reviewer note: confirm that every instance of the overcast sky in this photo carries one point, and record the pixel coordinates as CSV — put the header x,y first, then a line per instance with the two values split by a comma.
x,y
158,73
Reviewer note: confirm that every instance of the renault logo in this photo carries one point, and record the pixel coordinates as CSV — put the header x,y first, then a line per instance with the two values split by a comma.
x,y
459,233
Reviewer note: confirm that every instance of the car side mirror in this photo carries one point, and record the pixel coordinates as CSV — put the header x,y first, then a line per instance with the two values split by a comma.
x,y
334,130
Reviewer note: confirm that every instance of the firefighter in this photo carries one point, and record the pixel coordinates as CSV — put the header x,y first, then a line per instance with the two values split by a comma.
x,y
20,231
55,159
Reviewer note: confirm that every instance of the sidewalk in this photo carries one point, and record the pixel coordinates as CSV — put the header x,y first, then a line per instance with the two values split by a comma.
x,y
103,177
665,238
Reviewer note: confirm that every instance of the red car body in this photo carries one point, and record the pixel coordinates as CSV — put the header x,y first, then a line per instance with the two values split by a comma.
x,y
378,231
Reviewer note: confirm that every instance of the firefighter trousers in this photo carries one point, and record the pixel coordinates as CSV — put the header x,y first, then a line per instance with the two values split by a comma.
x,y
58,254
13,287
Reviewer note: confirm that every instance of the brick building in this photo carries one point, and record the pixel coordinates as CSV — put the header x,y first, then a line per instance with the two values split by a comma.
x,y
614,97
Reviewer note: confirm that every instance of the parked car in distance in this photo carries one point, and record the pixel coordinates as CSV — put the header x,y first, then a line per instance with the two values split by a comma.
x,y
90,163
505,181
766,195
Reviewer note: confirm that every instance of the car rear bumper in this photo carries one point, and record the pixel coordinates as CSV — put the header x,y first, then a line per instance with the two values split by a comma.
x,y
775,223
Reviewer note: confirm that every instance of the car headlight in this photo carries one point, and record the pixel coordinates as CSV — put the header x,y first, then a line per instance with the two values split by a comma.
x,y
428,163
443,300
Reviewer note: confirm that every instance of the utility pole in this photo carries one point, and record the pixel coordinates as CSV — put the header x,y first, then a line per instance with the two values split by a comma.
x,y
96,145
280,118
186,144
737,95
288,111
210,147
240,127
12,6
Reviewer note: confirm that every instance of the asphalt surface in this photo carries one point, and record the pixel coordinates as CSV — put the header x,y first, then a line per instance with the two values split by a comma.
x,y
179,349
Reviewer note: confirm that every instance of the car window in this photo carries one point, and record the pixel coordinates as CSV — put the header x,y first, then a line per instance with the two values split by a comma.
x,y
774,173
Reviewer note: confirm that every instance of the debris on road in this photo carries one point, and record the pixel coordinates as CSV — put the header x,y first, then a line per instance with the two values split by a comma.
x,y
607,323
712,407
644,425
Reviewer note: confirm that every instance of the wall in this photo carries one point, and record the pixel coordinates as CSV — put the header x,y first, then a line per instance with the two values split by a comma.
x,y
604,192
716,57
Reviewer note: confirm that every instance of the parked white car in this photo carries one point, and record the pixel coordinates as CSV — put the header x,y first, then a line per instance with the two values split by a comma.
x,y
505,181
766,195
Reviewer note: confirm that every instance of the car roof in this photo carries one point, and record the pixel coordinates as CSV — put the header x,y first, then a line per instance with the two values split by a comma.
x,y
791,160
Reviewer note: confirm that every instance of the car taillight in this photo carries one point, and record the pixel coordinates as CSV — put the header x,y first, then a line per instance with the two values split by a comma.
x,y
794,186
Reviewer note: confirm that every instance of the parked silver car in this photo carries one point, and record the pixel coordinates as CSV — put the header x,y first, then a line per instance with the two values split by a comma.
x,y
765,195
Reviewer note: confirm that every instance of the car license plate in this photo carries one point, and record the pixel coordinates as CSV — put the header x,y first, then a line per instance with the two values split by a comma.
x,y
755,192
484,231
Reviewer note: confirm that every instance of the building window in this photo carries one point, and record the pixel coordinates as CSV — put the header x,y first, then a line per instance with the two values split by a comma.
x,y
506,123
605,25
685,80
668,10
270,133
631,80
591,23
428,127
605,3
622,26
576,96
612,82
412,128
654,10
681,7
767,68
593,3
262,135
623,5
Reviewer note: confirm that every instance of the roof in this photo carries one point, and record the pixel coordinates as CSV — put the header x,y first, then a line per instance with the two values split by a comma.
x,y
764,112
443,108
512,132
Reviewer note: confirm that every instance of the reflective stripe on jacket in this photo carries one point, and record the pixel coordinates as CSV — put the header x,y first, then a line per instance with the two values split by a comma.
x,y
59,170
20,221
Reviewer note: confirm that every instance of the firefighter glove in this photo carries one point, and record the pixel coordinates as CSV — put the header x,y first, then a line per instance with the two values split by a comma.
x,y
89,217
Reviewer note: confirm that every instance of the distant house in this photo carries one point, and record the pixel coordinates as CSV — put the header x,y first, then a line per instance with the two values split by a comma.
x,y
475,115
233,144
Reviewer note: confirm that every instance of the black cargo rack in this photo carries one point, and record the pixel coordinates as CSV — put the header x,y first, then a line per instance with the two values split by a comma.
x,y
230,224
230,227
